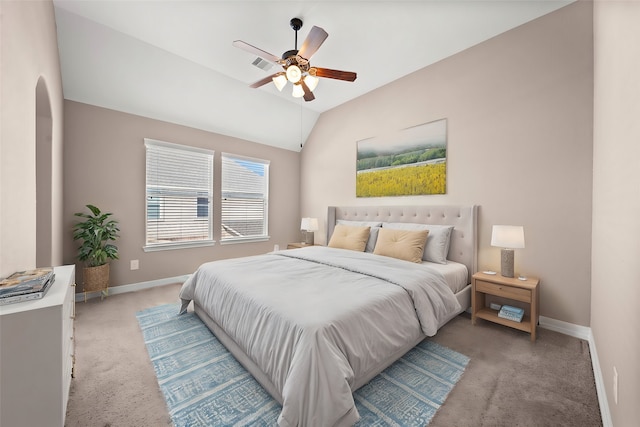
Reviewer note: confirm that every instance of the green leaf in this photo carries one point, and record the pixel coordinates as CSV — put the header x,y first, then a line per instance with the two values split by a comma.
x,y
94,232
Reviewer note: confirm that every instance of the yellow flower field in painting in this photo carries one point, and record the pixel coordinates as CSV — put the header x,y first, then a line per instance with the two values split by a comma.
x,y
402,181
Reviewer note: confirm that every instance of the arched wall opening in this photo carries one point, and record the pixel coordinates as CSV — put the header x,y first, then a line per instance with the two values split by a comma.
x,y
44,171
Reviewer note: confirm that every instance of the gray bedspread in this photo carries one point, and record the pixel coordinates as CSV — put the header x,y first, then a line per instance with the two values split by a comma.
x,y
315,319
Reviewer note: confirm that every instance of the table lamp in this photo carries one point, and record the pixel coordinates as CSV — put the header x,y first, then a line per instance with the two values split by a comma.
x,y
507,237
309,226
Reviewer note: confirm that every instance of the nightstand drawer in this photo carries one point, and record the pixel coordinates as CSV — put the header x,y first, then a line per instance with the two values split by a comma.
x,y
504,291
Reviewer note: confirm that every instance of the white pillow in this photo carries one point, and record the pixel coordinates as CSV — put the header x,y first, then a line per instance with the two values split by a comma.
x,y
437,247
373,234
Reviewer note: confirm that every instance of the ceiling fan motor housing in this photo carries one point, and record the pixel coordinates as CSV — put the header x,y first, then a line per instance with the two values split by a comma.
x,y
289,54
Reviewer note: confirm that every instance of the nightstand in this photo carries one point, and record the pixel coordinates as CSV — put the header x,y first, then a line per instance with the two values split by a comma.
x,y
524,291
297,245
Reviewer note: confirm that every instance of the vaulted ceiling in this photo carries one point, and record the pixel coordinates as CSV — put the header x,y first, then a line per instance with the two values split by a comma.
x,y
173,60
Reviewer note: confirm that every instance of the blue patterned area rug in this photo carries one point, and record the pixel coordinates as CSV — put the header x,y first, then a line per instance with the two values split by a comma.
x,y
204,385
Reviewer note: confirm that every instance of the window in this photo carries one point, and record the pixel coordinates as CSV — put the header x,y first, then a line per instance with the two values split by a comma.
x,y
203,207
245,198
178,195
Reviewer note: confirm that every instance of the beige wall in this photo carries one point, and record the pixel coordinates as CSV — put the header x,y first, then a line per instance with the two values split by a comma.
x,y
105,157
520,117
28,53
615,291
519,146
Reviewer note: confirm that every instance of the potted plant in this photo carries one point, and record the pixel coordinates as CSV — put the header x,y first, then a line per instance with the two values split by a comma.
x,y
95,231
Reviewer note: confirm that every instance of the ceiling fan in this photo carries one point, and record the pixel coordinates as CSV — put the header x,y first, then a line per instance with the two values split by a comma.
x,y
295,64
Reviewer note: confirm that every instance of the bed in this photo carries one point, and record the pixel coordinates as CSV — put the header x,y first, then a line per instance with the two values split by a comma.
x,y
314,324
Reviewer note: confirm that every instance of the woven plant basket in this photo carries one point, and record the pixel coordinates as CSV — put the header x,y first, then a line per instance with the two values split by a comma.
x,y
96,278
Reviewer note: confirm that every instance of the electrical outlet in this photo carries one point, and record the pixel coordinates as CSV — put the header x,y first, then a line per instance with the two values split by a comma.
x,y
135,264
615,385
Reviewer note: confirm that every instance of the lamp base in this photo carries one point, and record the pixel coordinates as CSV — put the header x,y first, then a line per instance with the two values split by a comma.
x,y
506,262
308,237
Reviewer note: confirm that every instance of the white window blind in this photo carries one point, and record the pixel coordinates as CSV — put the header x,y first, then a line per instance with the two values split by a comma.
x,y
178,195
245,198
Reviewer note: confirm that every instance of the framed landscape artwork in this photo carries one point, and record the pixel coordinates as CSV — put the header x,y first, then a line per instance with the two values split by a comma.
x,y
408,162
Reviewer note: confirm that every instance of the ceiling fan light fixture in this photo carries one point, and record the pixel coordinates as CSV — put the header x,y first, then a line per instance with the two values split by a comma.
x,y
294,74
280,81
311,82
298,92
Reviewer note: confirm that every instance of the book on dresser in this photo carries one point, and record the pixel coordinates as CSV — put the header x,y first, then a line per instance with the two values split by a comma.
x,y
511,313
26,285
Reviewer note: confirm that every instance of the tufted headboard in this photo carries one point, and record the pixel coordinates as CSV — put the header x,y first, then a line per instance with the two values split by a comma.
x,y
464,238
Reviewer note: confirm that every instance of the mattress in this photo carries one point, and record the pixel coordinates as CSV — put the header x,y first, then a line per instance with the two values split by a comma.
x,y
454,273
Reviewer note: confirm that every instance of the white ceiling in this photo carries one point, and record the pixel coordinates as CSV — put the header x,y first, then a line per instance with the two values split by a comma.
x,y
173,60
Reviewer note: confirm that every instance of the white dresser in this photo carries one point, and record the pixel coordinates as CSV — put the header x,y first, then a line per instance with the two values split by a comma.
x,y
37,355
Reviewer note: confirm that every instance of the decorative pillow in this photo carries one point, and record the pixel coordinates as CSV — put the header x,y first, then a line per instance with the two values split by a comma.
x,y
437,247
373,234
402,244
346,237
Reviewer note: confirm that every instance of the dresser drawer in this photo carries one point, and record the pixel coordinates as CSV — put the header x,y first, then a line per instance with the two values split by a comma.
x,y
504,291
37,348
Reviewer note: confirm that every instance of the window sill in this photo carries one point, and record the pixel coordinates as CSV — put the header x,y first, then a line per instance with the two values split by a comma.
x,y
172,246
245,240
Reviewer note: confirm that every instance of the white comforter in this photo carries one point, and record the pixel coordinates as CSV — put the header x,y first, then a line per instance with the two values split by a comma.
x,y
317,318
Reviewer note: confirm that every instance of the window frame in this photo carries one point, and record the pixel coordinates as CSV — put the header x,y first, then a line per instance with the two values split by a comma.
x,y
210,156
265,197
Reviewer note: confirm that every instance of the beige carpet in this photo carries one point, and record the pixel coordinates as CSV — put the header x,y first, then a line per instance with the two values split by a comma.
x,y
509,381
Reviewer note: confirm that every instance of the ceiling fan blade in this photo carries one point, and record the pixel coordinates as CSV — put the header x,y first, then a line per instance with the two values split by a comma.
x,y
264,81
308,95
256,51
312,43
335,74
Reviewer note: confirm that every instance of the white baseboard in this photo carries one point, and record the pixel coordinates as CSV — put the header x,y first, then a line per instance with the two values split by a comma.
x,y
585,333
600,386
577,331
134,287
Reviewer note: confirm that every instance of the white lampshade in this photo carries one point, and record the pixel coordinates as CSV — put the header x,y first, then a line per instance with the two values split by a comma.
x,y
280,81
294,74
298,92
309,224
508,236
311,82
